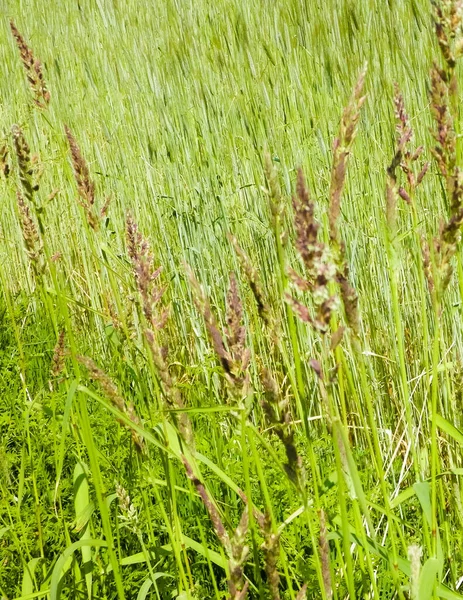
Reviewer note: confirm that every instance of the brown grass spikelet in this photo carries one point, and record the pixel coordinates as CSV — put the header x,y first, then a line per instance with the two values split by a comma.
x,y
235,334
57,361
350,301
145,274
444,150
253,279
172,393
271,551
146,278
448,25
85,186
427,265
25,166
236,585
210,506
30,235
33,68
5,168
234,358
405,157
318,261
341,151
444,109
111,391
306,226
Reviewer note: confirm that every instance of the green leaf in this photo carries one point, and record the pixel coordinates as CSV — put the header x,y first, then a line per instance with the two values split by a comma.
x,y
143,592
428,577
63,563
83,508
449,429
28,577
65,426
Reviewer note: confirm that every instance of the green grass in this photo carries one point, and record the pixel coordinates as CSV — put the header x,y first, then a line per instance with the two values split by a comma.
x,y
174,107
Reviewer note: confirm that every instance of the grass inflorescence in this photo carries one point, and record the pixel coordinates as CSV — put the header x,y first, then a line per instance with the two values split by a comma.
x,y
231,354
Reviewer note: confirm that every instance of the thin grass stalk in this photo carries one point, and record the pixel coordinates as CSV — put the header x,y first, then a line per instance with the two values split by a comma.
x,y
277,210
393,263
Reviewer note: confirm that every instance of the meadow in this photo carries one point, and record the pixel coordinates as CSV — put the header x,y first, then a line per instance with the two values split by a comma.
x,y
231,300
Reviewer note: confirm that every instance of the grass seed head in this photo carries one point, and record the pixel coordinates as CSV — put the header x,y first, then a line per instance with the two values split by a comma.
x,y
414,556
33,68
85,186
4,161
341,151
210,507
31,235
271,551
59,355
25,165
253,279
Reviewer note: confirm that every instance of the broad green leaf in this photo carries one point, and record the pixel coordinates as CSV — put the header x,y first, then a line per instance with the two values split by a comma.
x,y
428,577
83,509
28,582
145,588
64,429
63,563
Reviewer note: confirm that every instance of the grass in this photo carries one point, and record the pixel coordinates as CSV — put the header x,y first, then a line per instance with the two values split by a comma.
x,y
231,350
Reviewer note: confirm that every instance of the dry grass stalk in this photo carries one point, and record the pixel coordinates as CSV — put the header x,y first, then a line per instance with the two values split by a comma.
x,y
234,356
33,68
85,185
235,547
112,393
146,277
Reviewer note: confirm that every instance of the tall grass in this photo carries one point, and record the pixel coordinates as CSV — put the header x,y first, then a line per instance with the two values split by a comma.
x,y
230,309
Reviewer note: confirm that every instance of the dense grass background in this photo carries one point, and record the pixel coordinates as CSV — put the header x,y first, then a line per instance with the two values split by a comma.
x,y
174,106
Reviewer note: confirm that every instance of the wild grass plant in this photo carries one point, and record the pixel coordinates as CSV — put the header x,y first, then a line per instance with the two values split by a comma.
x,y
230,309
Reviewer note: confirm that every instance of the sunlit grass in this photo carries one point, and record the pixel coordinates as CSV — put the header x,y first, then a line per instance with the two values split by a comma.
x,y
143,410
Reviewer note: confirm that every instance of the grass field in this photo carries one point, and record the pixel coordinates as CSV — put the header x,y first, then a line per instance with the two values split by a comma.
x,y
231,300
